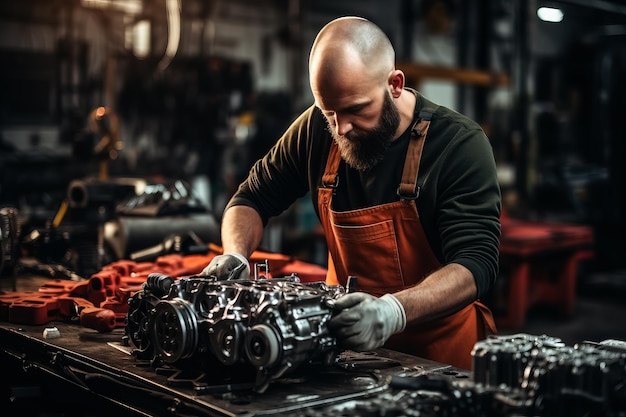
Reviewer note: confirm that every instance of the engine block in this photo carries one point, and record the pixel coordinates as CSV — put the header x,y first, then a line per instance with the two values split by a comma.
x,y
271,326
513,376
541,375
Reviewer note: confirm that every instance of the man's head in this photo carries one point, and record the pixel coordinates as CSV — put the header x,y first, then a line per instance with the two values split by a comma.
x,y
354,82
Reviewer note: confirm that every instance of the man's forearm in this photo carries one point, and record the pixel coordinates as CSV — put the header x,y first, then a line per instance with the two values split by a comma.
x,y
440,294
242,230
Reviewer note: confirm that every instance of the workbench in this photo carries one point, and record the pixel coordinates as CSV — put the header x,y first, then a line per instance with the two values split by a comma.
x,y
94,374
539,265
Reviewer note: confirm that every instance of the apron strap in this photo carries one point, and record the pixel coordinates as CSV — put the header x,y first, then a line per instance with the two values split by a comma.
x,y
408,188
330,178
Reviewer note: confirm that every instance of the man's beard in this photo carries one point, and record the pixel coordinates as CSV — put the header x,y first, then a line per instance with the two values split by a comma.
x,y
362,151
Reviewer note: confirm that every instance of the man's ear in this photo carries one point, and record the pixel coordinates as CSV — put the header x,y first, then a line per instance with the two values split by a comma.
x,y
396,82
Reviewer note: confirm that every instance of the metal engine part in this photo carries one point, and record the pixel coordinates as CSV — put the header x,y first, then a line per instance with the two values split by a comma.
x,y
9,235
513,376
543,376
269,325
502,360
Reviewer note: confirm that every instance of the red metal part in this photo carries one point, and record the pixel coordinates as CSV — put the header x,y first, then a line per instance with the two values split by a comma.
x,y
29,308
101,302
99,319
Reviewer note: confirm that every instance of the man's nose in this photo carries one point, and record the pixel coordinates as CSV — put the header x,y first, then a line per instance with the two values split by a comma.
x,y
344,125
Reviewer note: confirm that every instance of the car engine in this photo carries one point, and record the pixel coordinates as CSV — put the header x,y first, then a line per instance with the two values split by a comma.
x,y
269,327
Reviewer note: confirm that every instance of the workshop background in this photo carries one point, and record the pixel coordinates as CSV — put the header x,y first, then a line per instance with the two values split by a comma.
x,y
182,96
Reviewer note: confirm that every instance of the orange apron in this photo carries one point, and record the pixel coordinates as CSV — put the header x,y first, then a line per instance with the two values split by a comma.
x,y
386,248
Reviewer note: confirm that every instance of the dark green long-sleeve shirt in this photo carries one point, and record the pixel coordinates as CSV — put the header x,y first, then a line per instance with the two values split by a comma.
x,y
459,201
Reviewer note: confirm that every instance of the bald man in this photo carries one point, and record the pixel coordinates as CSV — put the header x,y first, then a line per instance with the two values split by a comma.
x,y
405,190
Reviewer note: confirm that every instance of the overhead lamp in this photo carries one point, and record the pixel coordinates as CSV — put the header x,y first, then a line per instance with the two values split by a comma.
x,y
140,33
550,14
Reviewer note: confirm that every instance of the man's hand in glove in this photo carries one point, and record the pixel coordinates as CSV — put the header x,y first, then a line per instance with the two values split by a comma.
x,y
228,266
365,322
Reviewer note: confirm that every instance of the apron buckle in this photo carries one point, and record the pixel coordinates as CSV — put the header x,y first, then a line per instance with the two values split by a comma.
x,y
334,184
412,196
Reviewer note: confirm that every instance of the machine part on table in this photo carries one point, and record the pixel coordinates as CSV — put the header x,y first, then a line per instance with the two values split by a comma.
x,y
543,376
163,199
9,235
51,333
93,193
93,203
267,326
78,228
184,244
100,319
513,376
261,270
146,238
146,222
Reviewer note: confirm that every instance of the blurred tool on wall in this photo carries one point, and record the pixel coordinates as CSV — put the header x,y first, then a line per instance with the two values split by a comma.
x,y
97,140
105,123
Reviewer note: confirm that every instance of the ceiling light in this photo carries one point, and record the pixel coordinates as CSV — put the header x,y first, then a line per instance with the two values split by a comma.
x,y
550,14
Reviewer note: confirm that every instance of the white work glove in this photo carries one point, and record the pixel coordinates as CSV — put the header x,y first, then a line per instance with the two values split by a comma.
x,y
366,322
228,266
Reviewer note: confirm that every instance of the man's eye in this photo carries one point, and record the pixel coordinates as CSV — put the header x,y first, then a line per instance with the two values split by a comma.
x,y
356,110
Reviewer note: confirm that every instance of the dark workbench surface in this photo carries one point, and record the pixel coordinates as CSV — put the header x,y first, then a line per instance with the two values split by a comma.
x,y
99,364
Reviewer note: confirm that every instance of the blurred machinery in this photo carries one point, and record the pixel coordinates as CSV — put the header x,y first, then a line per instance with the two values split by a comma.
x,y
99,140
104,123
9,238
540,375
104,219
101,221
516,375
